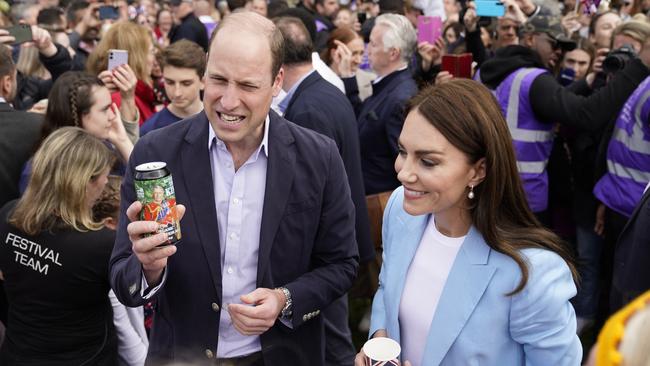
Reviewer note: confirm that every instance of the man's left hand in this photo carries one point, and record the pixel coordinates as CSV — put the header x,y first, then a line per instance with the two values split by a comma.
x,y
259,311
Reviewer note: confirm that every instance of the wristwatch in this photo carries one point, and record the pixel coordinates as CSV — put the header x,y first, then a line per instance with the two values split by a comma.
x,y
287,309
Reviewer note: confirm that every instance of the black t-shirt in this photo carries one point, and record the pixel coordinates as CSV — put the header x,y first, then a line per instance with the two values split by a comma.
x,y
57,286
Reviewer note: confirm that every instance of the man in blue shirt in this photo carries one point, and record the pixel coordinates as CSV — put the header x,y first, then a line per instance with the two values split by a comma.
x,y
183,64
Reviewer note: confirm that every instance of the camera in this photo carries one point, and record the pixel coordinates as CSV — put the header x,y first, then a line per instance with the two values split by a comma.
x,y
617,59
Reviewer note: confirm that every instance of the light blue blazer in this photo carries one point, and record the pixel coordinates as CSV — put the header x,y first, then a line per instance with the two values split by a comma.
x,y
475,323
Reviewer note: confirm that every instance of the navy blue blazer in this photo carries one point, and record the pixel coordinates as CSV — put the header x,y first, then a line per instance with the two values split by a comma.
x,y
380,120
631,272
318,105
306,243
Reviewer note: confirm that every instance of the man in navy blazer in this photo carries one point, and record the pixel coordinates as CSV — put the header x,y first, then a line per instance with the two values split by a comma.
x,y
314,103
381,116
304,253
631,276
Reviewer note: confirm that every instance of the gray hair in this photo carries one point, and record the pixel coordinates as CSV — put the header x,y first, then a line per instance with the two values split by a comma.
x,y
400,34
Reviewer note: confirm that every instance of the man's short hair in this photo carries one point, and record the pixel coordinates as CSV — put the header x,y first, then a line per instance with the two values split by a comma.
x,y
7,65
305,17
399,34
298,46
253,22
184,54
73,8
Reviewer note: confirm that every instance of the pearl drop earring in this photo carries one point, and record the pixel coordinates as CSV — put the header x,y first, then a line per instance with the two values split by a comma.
x,y
470,195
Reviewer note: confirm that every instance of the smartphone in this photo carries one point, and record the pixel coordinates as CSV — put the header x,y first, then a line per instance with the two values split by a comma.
x,y
460,66
429,28
117,58
361,17
21,32
490,8
108,12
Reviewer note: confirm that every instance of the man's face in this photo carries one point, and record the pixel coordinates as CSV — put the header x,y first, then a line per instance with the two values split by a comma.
x,y
378,57
158,194
239,86
182,85
182,10
8,86
548,49
260,7
623,39
507,32
577,60
328,8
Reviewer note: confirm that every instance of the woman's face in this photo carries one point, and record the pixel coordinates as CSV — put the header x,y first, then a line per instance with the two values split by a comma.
x,y
356,47
95,187
100,118
604,27
450,36
435,174
344,19
165,21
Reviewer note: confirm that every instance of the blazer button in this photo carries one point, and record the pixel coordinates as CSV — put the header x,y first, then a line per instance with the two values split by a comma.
x,y
215,307
209,353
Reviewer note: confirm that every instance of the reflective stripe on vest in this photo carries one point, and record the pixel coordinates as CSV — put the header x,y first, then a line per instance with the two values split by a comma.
x,y
532,139
625,172
636,142
534,167
512,114
628,155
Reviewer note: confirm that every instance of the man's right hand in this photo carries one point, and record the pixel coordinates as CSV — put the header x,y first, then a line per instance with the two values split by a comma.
x,y
152,257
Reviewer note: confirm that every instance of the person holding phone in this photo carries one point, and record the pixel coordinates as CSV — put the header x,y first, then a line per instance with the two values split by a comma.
x,y
469,275
131,83
53,56
81,100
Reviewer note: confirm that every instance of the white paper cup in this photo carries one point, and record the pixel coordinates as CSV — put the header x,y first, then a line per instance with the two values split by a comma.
x,y
382,351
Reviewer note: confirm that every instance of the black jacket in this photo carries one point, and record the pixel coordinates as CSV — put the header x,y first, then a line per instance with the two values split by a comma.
x,y
320,106
191,29
631,271
380,119
30,89
553,103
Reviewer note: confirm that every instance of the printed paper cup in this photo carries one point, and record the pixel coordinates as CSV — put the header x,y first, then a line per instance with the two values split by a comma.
x,y
381,351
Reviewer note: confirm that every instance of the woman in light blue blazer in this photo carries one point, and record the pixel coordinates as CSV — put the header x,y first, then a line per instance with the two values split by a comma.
x,y
469,276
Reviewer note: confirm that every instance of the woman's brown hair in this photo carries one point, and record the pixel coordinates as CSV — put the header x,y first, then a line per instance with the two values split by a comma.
x,y
342,34
468,115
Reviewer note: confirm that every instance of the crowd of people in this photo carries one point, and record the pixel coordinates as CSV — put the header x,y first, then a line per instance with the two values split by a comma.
x,y
516,192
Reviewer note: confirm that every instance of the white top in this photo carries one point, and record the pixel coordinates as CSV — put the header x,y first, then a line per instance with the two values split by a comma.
x,y
132,341
425,281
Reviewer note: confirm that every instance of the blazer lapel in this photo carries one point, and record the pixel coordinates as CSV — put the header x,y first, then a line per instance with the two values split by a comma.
x,y
413,230
197,173
279,180
467,281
